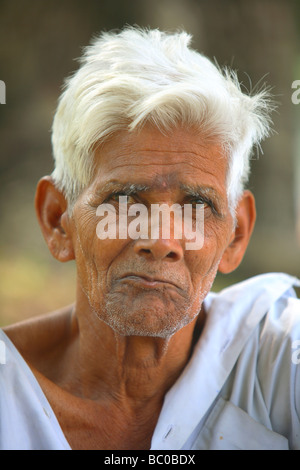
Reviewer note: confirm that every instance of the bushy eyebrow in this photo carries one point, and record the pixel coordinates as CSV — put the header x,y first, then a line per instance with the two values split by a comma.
x,y
128,189
207,193
199,190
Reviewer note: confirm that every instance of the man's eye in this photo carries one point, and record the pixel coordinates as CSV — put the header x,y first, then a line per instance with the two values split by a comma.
x,y
115,198
208,206
200,202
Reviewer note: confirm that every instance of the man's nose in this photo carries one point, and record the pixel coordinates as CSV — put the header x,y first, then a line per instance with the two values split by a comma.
x,y
159,249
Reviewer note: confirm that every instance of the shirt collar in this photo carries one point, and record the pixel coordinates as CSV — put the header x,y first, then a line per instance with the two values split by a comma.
x,y
232,315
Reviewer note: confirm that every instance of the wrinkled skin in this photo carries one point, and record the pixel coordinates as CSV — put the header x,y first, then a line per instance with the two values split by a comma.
x,y
109,360
111,271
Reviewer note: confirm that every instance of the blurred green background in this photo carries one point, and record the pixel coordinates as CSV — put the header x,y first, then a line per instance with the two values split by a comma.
x,y
39,41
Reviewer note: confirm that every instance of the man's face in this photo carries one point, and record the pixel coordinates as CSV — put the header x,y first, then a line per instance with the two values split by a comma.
x,y
152,287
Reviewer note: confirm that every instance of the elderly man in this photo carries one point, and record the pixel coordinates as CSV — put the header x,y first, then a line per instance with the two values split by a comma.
x,y
148,357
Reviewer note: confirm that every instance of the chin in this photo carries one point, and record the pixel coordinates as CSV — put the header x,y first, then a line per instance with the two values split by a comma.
x,y
154,318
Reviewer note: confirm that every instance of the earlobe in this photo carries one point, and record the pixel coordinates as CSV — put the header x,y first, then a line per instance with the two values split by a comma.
x,y
237,245
51,210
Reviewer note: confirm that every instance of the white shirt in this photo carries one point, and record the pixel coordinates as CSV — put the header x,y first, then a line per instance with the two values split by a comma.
x,y
240,389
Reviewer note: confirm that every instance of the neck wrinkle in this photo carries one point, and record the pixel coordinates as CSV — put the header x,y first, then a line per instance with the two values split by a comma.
x,y
134,369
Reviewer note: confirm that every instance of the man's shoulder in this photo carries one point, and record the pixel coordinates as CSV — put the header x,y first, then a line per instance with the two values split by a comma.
x,y
268,308
267,282
36,336
262,346
260,292
266,303
27,419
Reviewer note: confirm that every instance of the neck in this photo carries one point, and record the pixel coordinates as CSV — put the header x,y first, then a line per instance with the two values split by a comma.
x,y
130,368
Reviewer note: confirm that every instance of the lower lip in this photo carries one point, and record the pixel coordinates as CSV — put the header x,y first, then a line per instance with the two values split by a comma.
x,y
145,282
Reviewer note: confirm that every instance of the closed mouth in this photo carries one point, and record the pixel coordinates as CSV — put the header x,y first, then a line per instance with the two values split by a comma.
x,y
148,280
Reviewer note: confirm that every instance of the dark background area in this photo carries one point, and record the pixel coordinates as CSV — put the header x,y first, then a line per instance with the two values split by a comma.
x,y
39,41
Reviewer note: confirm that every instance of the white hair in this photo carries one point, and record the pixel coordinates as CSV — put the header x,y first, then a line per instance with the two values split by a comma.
x,y
139,76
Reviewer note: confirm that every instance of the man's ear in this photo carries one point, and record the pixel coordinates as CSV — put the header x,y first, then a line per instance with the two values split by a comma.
x,y
51,210
245,221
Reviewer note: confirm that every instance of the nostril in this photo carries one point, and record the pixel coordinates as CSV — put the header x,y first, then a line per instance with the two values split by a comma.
x,y
144,250
158,249
172,255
